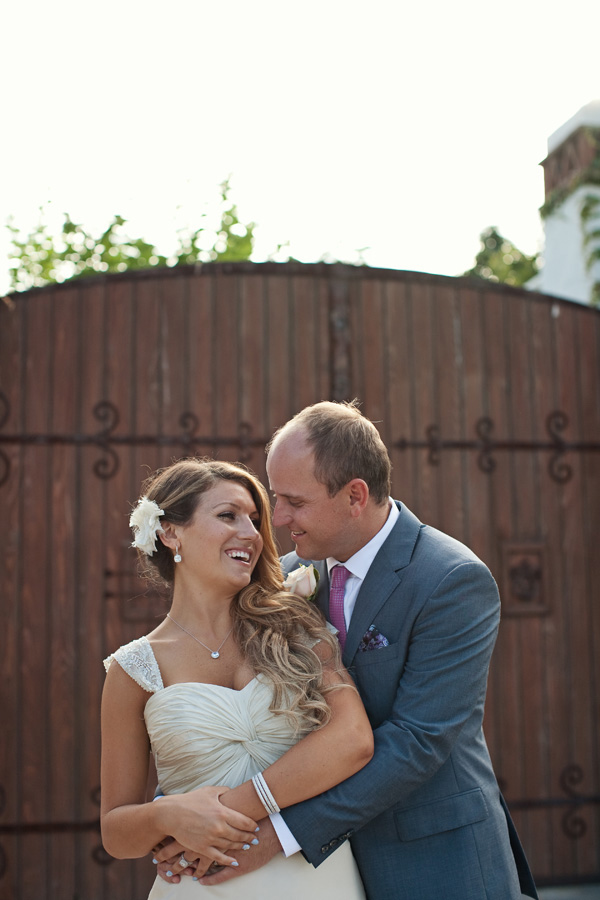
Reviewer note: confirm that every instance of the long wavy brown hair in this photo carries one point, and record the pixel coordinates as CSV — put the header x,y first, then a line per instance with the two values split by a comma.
x,y
274,629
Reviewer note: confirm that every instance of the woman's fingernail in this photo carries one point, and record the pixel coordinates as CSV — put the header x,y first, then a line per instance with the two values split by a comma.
x,y
255,840
195,878
246,847
155,861
169,874
257,828
234,862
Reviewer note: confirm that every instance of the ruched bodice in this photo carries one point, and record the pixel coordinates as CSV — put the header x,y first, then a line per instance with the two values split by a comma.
x,y
206,734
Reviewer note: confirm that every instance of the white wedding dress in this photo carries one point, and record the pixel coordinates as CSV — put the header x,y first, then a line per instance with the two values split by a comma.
x,y
205,734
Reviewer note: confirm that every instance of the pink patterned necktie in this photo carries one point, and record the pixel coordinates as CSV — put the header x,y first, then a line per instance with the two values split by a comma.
x,y
339,576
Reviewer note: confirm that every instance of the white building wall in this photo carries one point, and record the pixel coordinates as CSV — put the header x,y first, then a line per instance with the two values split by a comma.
x,y
564,273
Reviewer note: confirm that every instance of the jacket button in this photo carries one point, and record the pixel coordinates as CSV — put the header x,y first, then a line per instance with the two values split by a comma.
x,y
324,848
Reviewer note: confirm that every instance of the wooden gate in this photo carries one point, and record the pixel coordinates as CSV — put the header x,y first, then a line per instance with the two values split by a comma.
x,y
488,398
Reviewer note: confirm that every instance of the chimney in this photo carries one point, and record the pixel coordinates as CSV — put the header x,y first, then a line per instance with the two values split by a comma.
x,y
571,210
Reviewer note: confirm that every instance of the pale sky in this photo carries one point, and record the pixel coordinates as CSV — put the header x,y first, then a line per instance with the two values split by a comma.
x,y
406,128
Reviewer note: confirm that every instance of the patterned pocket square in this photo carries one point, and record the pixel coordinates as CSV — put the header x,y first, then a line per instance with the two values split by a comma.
x,y
372,640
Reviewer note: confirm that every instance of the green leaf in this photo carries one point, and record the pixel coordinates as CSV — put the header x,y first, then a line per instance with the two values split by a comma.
x,y
42,257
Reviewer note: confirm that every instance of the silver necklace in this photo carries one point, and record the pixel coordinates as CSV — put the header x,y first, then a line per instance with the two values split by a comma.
x,y
214,653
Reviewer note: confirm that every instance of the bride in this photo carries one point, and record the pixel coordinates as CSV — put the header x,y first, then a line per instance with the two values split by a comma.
x,y
239,694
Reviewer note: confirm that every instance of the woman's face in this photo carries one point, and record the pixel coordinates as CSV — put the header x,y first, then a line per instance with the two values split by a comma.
x,y
222,544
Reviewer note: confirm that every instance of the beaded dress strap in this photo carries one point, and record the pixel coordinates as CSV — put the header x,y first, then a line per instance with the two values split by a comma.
x,y
138,660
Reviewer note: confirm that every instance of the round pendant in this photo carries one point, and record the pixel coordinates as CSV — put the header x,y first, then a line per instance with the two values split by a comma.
x,y
215,654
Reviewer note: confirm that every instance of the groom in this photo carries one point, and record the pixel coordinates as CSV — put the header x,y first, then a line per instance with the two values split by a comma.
x,y
417,615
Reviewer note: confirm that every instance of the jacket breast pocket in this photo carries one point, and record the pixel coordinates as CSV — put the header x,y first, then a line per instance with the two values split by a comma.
x,y
441,815
377,656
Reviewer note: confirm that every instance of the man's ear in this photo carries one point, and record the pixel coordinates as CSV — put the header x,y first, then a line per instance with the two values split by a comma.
x,y
169,535
359,496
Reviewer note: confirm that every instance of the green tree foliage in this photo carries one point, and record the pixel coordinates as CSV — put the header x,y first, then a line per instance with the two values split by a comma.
x,y
233,242
499,260
41,257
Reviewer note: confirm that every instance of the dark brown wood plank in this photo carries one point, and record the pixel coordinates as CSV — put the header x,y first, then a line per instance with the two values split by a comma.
x,y
399,413
503,692
34,656
305,329
562,854
33,772
587,339
154,370
448,375
62,748
476,483
121,356
525,526
536,656
122,333
90,536
200,342
279,406
253,368
278,391
323,340
226,377
172,300
577,618
12,362
423,399
370,350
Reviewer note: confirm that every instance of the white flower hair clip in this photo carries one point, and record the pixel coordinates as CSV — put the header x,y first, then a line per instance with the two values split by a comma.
x,y
146,525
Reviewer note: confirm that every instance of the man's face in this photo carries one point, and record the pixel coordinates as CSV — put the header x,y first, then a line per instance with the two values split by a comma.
x,y
320,525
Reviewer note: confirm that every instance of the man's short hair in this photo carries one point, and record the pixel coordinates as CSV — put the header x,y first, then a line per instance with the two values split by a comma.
x,y
345,444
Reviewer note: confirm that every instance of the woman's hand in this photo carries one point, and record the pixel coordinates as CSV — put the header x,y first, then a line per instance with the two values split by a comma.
x,y
201,824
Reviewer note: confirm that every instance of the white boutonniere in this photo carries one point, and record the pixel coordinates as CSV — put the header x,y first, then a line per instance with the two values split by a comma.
x,y
303,582
145,523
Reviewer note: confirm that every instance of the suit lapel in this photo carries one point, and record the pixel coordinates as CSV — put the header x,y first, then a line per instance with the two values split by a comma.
x,y
382,579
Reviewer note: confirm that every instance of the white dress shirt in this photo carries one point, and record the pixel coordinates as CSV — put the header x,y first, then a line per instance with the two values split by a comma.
x,y
358,565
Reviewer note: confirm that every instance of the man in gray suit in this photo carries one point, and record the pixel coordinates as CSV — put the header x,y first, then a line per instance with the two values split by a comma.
x,y
417,615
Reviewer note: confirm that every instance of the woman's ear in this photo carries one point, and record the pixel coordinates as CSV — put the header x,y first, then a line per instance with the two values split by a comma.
x,y
169,535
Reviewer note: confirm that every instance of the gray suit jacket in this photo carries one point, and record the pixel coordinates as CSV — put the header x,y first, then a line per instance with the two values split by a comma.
x,y
425,817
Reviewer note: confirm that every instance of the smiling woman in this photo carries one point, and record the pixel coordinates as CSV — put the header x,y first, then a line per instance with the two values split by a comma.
x,y
240,686
220,545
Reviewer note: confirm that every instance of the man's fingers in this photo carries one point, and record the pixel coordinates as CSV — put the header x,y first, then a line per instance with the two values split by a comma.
x,y
167,851
184,864
248,861
166,873
218,875
170,869
200,867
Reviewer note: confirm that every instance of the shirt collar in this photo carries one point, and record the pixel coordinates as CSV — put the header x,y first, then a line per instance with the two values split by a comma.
x,y
360,563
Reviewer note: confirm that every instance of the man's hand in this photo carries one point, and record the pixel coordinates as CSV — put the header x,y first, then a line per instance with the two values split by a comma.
x,y
200,823
255,858
168,856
